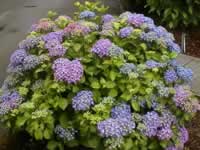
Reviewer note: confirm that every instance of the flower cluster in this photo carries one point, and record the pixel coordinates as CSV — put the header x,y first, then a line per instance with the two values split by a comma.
x,y
76,29
29,43
9,101
170,76
87,14
101,47
127,68
125,32
107,18
65,134
83,100
154,64
67,71
18,57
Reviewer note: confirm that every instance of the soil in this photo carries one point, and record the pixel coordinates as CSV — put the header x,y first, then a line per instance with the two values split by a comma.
x,y
192,41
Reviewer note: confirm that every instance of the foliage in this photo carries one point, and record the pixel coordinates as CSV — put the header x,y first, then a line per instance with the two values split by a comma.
x,y
100,82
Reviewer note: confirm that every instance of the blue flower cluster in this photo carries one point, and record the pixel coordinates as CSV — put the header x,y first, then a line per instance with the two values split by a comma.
x,y
65,134
115,51
9,101
87,14
83,100
18,57
30,62
121,111
185,74
154,64
125,32
127,68
107,18
29,43
170,76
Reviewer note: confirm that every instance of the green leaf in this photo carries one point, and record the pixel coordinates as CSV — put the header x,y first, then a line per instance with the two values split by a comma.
x,y
23,91
135,105
112,75
63,103
47,134
21,121
54,145
113,93
95,84
38,134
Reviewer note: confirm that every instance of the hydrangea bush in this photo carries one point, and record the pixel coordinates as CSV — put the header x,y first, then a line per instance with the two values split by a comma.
x,y
99,81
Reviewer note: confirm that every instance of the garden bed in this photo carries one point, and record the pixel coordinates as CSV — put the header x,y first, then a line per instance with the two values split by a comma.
x,y
192,42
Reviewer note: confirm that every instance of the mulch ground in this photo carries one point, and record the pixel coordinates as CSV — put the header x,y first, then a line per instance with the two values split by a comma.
x,y
192,41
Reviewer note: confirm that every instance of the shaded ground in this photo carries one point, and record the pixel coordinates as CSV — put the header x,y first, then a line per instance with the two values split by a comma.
x,y
192,42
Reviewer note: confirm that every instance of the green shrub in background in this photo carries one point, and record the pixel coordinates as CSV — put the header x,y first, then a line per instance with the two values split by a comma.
x,y
99,82
172,13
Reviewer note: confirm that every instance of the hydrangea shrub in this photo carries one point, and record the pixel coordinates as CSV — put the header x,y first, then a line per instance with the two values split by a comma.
x,y
99,81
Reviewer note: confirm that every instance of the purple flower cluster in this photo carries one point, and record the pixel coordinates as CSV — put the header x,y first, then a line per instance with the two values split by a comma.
x,y
101,47
139,19
83,100
185,74
18,57
184,135
87,14
107,18
67,71
30,62
153,64
173,47
9,101
127,68
75,29
121,111
29,43
149,36
170,76
55,48
65,134
157,126
115,51
171,148
58,35
181,96
125,32
115,127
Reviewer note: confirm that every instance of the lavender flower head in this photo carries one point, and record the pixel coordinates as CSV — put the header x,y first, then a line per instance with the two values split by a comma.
x,y
151,121
107,18
181,96
153,64
67,71
149,36
87,14
125,15
184,135
115,51
165,133
65,134
115,127
29,43
101,47
9,101
170,76
58,35
136,19
127,68
121,111
125,32
83,100
17,57
173,47
30,62
55,48
185,74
